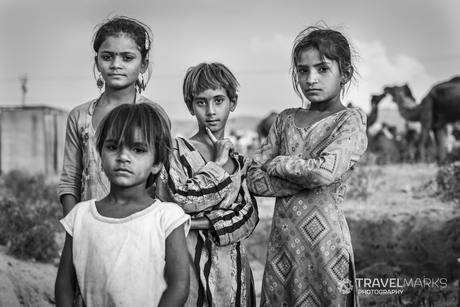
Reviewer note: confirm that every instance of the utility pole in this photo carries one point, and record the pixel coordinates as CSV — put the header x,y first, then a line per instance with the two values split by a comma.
x,y
23,79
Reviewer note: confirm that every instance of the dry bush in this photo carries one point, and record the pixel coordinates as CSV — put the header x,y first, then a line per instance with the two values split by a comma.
x,y
448,181
30,214
365,178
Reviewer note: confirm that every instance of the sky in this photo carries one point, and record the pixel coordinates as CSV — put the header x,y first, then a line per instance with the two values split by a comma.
x,y
398,41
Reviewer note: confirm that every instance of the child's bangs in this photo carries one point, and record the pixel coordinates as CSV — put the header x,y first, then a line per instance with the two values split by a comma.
x,y
207,81
129,128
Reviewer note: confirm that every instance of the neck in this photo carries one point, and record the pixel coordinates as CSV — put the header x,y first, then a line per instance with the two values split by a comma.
x,y
409,109
133,194
331,107
373,116
113,96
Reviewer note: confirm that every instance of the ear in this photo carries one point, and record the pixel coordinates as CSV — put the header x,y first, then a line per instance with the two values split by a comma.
x,y
190,108
153,175
346,75
233,103
156,168
144,65
96,64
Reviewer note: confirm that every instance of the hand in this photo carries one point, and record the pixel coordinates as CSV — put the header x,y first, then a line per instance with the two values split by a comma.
x,y
247,164
222,148
264,166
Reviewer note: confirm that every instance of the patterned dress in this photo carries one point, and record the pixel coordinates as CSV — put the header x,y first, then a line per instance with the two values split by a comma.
x,y
309,256
220,272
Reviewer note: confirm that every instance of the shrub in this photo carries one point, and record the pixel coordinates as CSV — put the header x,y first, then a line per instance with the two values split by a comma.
x,y
448,181
365,178
30,215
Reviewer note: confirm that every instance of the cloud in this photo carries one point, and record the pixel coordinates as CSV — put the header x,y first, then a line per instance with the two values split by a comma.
x,y
278,45
379,69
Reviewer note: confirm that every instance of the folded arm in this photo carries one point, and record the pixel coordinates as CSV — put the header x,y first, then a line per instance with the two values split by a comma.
x,y
195,191
346,145
262,183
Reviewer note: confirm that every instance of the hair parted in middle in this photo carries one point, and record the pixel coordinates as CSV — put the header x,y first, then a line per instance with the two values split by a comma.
x,y
331,44
206,76
117,26
121,124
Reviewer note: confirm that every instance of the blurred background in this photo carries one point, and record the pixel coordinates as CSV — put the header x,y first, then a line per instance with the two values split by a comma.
x,y
402,208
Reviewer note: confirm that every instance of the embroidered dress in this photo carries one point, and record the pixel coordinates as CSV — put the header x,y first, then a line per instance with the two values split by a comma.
x,y
121,261
82,175
220,271
309,255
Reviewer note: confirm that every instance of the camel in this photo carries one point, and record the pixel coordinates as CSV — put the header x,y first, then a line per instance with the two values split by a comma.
x,y
372,117
383,141
438,108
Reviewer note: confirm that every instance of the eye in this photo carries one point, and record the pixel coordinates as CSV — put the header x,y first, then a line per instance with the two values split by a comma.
x,y
219,100
105,57
323,69
200,102
139,150
302,70
111,147
128,58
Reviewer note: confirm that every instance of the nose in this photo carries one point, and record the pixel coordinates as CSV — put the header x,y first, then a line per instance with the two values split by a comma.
x,y
312,78
123,155
211,109
116,62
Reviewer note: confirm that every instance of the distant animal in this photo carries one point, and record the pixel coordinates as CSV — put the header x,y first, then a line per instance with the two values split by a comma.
x,y
438,108
382,139
265,124
372,117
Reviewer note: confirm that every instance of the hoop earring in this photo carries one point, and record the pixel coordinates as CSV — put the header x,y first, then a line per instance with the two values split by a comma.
x,y
100,82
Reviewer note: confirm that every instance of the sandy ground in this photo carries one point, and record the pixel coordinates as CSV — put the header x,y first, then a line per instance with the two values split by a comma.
x,y
395,190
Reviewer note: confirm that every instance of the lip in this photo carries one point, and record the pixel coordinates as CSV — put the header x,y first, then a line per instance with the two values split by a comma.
x,y
115,75
213,121
123,170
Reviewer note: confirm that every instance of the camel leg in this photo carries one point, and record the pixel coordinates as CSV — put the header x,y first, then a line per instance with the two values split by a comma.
x,y
423,143
441,136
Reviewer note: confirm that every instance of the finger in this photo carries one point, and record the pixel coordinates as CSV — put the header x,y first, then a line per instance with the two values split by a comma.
x,y
211,136
247,163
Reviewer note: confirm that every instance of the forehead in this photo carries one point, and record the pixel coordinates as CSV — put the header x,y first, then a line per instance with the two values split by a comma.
x,y
210,93
119,43
133,135
311,56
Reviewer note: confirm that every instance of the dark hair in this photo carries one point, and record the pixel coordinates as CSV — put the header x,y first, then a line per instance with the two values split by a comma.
x,y
330,44
117,26
122,122
206,76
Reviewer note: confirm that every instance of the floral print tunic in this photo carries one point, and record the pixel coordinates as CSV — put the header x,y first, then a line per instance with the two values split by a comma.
x,y
309,257
82,175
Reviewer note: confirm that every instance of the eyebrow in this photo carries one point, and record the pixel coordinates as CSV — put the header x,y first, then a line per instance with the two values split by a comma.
x,y
316,65
213,97
122,53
